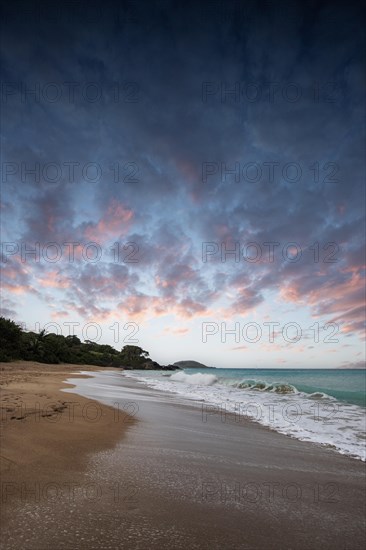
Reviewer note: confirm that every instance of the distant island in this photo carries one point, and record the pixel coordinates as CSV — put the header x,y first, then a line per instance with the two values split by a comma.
x,y
190,365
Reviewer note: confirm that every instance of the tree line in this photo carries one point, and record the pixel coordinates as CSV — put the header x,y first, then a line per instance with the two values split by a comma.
x,y
18,344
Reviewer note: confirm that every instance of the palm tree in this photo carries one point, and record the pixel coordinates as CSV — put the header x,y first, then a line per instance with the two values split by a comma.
x,y
36,343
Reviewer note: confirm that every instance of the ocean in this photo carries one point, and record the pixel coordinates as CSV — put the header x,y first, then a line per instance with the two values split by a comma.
x,y
325,406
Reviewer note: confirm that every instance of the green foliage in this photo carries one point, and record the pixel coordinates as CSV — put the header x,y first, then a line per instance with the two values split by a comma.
x,y
133,356
54,348
10,340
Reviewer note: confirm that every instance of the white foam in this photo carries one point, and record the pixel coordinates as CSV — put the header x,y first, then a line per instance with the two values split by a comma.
x,y
197,379
303,416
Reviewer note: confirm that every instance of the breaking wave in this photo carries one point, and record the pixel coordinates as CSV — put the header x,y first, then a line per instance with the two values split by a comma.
x,y
201,379
265,386
197,378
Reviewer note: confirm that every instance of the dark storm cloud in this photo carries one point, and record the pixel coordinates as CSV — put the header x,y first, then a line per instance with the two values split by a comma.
x,y
150,134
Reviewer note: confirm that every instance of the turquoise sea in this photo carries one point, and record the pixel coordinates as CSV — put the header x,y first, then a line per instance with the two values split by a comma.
x,y
348,385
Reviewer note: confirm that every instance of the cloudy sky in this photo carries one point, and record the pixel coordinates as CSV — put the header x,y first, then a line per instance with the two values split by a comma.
x,y
188,178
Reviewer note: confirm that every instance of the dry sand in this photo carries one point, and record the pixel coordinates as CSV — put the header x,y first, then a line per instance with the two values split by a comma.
x,y
47,436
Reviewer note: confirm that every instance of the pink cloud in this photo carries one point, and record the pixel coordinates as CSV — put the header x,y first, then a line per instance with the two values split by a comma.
x,y
58,314
16,277
343,297
115,221
176,330
54,279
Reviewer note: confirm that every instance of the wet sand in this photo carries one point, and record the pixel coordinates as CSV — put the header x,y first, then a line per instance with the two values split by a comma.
x,y
182,479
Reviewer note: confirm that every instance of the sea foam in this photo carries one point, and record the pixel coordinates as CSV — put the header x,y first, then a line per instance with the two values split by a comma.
x,y
196,379
315,417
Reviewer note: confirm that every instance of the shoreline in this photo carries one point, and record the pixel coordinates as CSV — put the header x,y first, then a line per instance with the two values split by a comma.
x,y
175,481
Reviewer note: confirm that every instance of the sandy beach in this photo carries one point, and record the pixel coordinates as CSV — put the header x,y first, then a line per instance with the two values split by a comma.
x,y
47,436
169,478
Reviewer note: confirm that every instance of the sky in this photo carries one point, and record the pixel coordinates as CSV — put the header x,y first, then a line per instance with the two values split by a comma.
x,y
187,177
